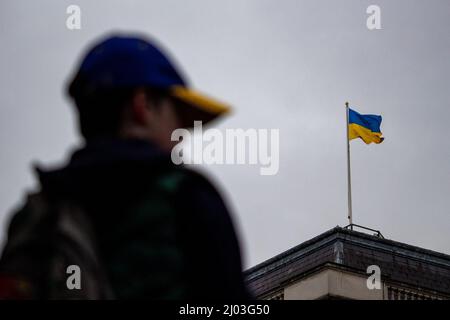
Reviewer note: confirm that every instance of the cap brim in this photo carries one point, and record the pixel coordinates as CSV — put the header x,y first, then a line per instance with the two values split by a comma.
x,y
211,107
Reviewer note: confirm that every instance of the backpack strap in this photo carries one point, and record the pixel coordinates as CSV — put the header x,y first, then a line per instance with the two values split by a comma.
x,y
44,239
24,257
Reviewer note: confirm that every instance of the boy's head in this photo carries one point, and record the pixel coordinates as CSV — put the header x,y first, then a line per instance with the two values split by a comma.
x,y
126,87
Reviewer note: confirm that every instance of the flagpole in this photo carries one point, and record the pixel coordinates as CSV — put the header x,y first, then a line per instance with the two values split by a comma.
x,y
349,180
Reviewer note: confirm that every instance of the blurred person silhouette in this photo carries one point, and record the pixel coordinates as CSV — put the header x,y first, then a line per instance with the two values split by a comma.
x,y
120,220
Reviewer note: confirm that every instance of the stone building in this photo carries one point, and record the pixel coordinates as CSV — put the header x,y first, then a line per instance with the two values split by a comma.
x,y
345,264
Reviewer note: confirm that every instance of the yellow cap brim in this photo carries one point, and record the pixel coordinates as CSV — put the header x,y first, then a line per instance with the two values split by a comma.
x,y
200,101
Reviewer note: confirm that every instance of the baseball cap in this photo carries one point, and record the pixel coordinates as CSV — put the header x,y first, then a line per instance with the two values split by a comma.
x,y
131,61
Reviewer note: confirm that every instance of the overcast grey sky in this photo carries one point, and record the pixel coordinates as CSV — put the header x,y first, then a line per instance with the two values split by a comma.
x,y
284,64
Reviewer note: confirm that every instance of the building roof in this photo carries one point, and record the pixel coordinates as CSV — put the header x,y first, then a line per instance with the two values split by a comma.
x,y
400,263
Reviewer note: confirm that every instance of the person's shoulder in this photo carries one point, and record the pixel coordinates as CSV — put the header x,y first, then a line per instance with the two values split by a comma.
x,y
195,180
198,192
32,208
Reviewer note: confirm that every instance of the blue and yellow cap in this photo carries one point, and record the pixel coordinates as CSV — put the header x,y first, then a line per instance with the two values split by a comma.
x,y
126,62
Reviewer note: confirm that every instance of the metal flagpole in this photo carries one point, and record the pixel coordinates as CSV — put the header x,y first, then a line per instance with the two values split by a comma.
x,y
349,180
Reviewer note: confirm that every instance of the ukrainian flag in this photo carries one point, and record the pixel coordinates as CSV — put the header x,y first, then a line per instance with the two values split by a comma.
x,y
364,126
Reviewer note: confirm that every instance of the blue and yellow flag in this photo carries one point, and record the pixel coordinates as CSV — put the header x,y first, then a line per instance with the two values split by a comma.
x,y
364,126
